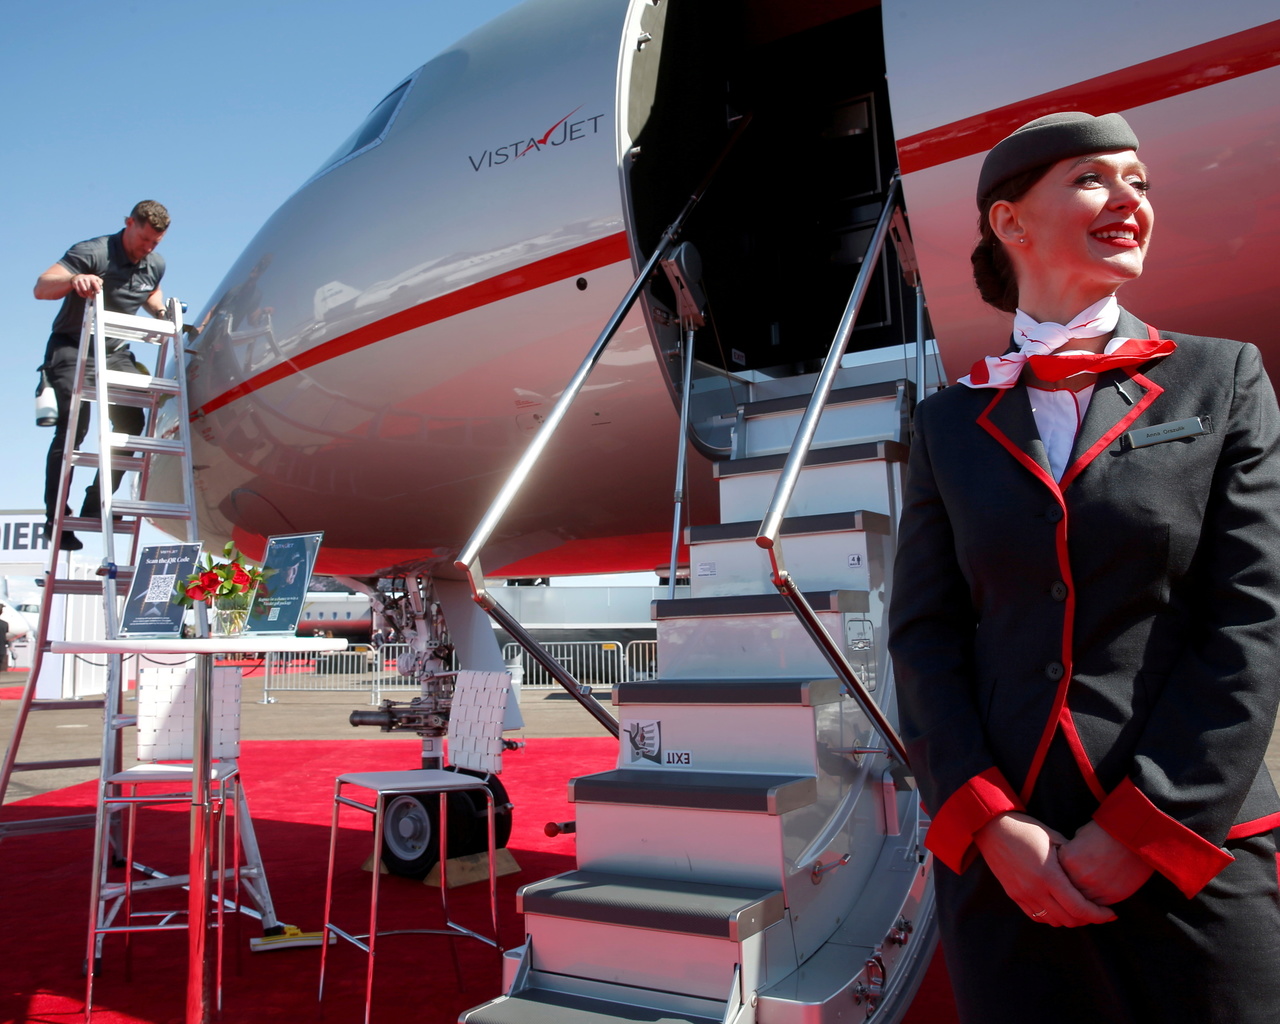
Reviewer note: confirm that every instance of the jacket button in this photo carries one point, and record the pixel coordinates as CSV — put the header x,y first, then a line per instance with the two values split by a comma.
x,y
1054,515
1058,591
1054,670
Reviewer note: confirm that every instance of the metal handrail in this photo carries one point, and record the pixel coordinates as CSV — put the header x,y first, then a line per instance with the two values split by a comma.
x,y
770,534
468,560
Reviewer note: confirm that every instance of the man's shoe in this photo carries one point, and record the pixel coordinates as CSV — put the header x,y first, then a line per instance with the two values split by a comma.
x,y
67,542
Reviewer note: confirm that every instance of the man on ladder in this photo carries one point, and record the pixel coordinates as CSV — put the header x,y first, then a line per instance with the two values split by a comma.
x,y
127,270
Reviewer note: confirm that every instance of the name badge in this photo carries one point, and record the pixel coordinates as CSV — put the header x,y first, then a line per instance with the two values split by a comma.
x,y
1144,437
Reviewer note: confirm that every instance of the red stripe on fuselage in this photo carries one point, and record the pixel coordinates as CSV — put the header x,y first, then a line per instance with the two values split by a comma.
x,y
592,256
1218,60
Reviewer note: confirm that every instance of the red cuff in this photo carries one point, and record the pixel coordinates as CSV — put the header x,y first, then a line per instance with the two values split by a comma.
x,y
965,812
1184,857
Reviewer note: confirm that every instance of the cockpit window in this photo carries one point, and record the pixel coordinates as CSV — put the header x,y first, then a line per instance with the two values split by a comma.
x,y
372,131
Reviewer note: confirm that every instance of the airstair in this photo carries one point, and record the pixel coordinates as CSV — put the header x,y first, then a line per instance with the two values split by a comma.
x,y
752,857
757,854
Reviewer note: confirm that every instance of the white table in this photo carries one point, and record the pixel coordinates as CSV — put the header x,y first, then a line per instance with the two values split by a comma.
x,y
200,887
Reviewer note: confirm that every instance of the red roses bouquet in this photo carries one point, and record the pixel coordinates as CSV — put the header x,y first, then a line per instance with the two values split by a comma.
x,y
229,583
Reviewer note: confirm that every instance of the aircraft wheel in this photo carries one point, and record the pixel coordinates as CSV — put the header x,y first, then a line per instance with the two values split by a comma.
x,y
410,843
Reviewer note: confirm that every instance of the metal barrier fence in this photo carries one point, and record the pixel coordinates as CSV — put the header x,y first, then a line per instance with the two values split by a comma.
x,y
361,669
365,670
592,662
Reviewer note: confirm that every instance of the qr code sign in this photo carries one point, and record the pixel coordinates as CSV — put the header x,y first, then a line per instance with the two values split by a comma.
x,y
160,589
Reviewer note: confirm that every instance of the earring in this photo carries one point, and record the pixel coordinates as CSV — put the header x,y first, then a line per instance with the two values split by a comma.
x,y
1021,240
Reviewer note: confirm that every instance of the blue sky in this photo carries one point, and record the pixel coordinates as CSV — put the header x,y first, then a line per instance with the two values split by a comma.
x,y
217,109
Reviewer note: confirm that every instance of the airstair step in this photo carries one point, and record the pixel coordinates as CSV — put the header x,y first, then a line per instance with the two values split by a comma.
x,y
729,912
542,1006
850,601
870,451
785,692
713,791
839,396
833,522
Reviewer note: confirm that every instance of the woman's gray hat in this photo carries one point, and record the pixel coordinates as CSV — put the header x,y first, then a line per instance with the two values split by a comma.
x,y
1046,140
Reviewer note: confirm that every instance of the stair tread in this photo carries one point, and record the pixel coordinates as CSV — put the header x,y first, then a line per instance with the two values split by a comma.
x,y
838,397
720,791
729,912
832,522
757,604
541,1006
801,692
868,451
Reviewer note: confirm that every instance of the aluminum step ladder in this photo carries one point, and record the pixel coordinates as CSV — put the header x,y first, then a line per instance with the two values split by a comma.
x,y
120,521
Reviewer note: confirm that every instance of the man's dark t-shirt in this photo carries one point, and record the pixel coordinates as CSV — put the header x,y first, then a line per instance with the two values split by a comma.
x,y
125,285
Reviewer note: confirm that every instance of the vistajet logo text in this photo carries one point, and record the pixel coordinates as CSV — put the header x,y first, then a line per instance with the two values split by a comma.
x,y
568,129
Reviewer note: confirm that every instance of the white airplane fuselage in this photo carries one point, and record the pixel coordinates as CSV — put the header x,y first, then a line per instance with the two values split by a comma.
x,y
387,345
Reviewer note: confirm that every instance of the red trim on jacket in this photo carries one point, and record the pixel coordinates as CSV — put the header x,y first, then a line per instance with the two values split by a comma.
x,y
967,809
1154,391
1064,568
1244,829
1072,737
1184,857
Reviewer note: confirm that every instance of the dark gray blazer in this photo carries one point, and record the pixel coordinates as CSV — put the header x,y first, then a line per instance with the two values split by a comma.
x,y
1124,623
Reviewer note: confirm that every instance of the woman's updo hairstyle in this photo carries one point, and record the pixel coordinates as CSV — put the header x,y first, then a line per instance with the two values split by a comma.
x,y
992,270
1016,163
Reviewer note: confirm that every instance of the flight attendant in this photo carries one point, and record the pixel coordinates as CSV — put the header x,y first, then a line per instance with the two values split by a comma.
x,y
1085,623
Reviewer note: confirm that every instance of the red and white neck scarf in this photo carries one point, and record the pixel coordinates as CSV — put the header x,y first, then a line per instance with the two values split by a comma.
x,y
1038,344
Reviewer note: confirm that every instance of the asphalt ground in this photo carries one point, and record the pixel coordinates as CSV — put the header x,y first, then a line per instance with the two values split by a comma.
x,y
295,714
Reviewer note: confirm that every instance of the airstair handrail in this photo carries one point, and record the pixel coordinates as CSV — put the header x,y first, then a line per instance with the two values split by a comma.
x,y
468,560
770,534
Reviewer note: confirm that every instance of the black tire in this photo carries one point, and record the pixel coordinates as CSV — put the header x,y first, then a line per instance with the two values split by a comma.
x,y
501,812
410,842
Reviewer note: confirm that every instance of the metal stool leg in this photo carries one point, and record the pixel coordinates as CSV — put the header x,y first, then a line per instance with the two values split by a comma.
x,y
328,885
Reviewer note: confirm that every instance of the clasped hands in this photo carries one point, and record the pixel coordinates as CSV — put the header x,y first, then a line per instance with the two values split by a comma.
x,y
1056,881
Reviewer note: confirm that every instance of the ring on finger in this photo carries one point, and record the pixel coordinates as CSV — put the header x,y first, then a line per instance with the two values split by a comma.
x,y
1039,915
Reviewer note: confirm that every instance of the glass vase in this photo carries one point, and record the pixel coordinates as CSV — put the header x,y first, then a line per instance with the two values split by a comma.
x,y
227,615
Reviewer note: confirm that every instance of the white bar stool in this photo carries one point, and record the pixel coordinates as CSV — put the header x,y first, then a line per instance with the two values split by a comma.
x,y
475,727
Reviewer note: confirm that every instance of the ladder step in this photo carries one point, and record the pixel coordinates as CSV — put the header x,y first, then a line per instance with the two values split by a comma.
x,y
152,509
90,588
69,762
713,791
126,380
131,443
68,705
730,912
38,826
89,524
542,1006
137,328
716,692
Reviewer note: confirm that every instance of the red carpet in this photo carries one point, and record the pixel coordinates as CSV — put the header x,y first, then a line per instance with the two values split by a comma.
x,y
44,892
